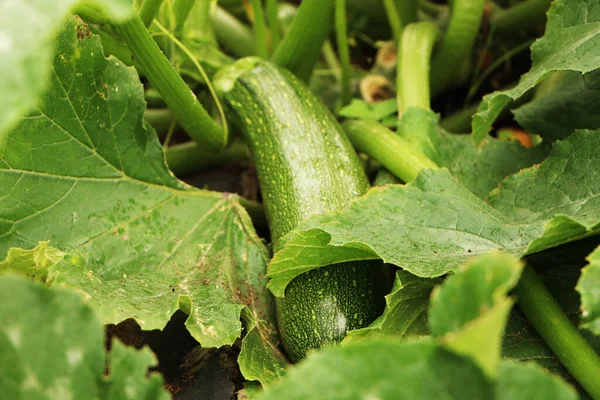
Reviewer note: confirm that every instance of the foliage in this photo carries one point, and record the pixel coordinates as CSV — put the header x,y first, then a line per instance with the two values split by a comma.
x,y
95,229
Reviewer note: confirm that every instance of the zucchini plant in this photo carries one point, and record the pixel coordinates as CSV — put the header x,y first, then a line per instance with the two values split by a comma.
x,y
203,198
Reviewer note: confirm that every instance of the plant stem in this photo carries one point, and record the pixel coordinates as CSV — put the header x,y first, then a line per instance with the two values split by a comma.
x,y
457,44
189,158
331,59
232,34
558,332
149,10
414,57
395,153
300,48
342,44
393,18
272,9
260,30
256,212
430,8
159,118
407,10
520,17
181,100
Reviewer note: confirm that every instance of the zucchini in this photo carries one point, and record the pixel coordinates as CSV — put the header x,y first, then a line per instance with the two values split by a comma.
x,y
305,166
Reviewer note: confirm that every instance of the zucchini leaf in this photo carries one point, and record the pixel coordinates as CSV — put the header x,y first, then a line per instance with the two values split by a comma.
x,y
27,45
479,168
434,224
589,289
53,347
137,242
573,103
571,42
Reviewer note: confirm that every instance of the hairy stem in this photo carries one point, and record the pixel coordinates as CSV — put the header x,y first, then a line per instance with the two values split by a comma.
x,y
149,10
414,57
558,332
343,50
457,44
260,30
181,100
398,155
233,35
300,48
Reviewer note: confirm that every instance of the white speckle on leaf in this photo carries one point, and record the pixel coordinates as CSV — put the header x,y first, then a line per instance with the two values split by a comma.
x,y
6,43
60,389
30,382
14,335
74,356
131,392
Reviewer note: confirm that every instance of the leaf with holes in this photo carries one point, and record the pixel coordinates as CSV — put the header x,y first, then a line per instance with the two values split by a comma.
x,y
84,173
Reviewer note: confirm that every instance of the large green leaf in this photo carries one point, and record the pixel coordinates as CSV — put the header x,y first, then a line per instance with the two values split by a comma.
x,y
383,369
434,224
571,42
479,169
52,347
379,369
573,103
27,44
523,381
85,173
589,288
469,311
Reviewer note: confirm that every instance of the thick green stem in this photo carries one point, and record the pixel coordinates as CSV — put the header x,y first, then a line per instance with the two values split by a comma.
x,y
558,332
393,18
260,30
395,153
160,119
256,212
343,50
149,10
457,45
407,10
414,58
189,158
272,9
300,48
181,100
522,16
236,37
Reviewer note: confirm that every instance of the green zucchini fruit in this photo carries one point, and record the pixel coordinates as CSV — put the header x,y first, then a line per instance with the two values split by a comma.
x,y
305,166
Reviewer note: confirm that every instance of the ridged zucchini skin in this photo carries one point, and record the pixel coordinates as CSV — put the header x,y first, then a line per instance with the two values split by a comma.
x,y
305,166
